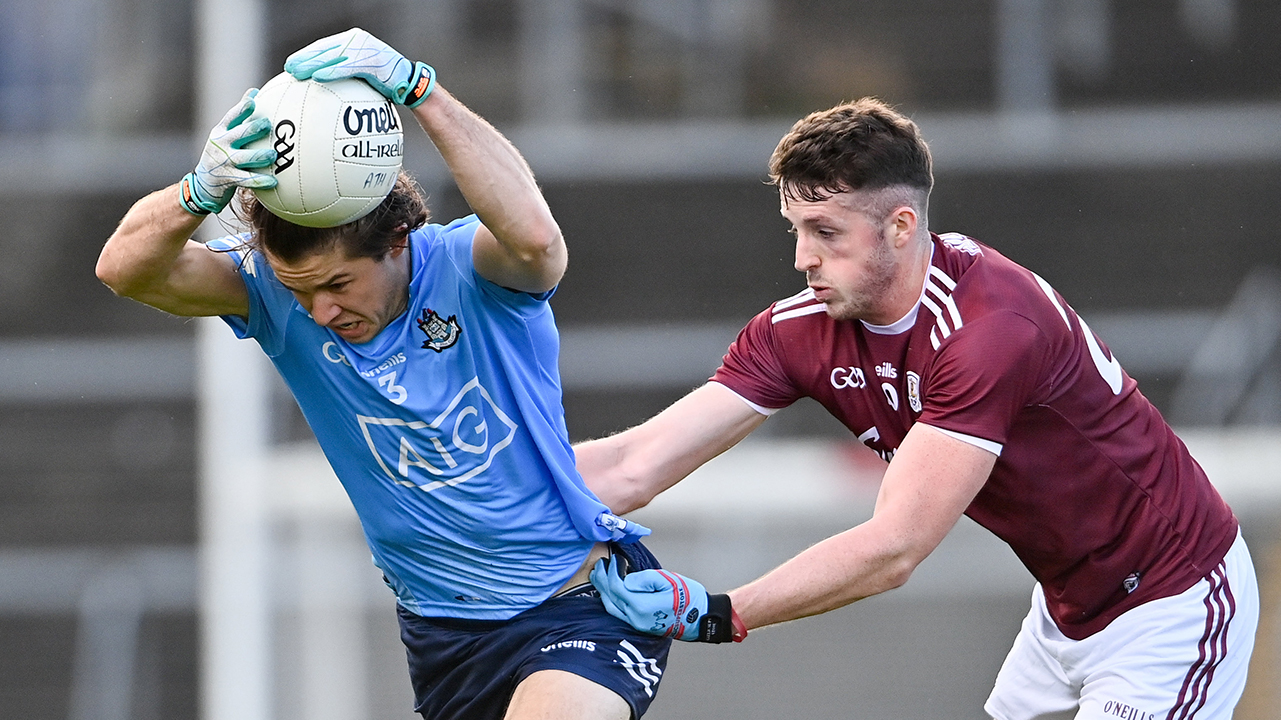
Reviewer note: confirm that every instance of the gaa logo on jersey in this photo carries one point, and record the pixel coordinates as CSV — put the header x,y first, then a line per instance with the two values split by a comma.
x,y
455,447
914,391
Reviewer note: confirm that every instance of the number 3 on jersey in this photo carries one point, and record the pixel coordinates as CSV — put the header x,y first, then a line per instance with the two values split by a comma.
x,y
1109,368
397,392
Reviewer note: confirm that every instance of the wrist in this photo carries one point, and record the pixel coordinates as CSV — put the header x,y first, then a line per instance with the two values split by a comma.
x,y
738,628
188,197
721,623
421,82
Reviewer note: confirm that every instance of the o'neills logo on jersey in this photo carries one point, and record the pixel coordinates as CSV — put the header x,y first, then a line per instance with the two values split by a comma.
x,y
441,333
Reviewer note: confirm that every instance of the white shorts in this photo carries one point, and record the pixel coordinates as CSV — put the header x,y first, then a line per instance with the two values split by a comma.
x,y
1180,657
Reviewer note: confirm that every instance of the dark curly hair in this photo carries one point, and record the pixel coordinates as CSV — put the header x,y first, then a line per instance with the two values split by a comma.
x,y
373,236
862,145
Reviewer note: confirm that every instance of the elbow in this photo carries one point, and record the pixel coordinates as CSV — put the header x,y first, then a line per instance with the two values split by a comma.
x,y
897,574
117,278
620,492
610,471
548,241
550,260
896,567
630,495
109,274
546,249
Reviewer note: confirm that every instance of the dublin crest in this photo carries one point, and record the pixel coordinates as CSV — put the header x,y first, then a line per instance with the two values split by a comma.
x,y
441,333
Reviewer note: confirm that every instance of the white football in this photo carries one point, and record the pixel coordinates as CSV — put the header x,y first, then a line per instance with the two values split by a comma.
x,y
339,147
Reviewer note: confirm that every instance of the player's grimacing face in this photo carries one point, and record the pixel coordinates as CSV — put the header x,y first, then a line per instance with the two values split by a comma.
x,y
354,297
845,255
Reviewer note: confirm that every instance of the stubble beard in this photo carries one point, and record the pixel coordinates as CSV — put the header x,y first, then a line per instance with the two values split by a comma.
x,y
860,302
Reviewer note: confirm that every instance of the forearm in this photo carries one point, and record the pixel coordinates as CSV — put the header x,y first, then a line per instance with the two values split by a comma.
x,y
926,488
144,248
834,573
151,258
491,174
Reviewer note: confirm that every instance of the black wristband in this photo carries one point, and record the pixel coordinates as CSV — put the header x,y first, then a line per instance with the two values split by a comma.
x,y
717,626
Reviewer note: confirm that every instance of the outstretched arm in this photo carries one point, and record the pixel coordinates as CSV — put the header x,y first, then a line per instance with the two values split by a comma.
x,y
519,245
928,485
926,488
627,470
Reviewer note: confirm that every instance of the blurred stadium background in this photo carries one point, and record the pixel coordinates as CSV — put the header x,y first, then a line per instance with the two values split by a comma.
x,y
158,561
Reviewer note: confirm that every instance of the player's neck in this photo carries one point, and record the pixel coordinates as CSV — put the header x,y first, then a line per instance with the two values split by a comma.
x,y
906,290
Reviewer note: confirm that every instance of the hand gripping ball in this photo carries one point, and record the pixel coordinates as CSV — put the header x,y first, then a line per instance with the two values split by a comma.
x,y
339,147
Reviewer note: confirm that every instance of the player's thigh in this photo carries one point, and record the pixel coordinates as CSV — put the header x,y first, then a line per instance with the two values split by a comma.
x,y
561,695
1032,684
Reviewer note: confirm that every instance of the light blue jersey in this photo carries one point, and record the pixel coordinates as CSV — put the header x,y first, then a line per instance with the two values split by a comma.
x,y
446,430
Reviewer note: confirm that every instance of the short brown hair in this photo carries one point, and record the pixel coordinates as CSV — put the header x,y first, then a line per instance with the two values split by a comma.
x,y
374,235
862,145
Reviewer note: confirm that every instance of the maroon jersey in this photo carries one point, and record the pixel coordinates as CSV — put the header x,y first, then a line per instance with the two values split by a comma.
x,y
1091,488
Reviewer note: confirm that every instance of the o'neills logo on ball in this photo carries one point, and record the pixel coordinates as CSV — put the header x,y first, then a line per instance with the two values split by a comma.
x,y
379,120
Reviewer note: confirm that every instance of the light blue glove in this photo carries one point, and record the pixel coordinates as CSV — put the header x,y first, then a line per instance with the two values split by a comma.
x,y
356,53
226,164
661,602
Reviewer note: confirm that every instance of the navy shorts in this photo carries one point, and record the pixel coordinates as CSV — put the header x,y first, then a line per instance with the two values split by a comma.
x,y
468,669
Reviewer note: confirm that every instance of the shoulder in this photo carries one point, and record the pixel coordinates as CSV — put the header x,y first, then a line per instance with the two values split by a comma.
x,y
969,280
785,323
439,249
454,236
251,265
789,336
801,305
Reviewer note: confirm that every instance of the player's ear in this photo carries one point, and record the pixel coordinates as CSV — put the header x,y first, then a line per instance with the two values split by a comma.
x,y
902,225
401,240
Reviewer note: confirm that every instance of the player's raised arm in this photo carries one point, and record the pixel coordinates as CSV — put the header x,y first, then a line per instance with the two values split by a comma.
x,y
520,245
151,258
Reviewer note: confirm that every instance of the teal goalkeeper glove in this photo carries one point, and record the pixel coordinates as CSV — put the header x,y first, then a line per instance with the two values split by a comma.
x,y
660,602
225,164
357,54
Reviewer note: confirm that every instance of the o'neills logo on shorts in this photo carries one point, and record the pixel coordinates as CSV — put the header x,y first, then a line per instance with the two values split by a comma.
x,y
587,645
1126,712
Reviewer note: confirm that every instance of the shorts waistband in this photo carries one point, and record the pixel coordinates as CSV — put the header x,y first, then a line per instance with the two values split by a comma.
x,y
580,580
